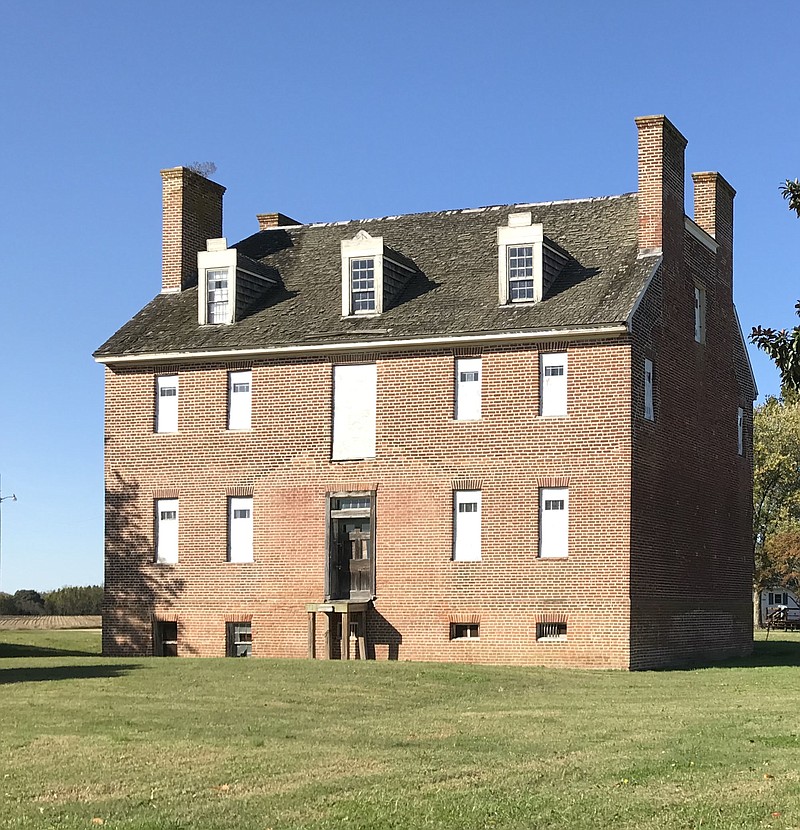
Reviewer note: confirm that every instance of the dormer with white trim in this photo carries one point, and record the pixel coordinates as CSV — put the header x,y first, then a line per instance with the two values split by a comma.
x,y
228,283
526,265
373,275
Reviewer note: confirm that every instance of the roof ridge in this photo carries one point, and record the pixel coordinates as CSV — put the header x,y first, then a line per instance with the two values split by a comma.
x,y
454,212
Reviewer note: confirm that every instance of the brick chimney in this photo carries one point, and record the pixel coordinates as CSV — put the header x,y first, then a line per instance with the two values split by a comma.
x,y
661,172
192,214
274,220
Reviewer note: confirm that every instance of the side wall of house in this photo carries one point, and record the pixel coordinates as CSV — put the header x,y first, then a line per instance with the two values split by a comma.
x,y
421,451
691,559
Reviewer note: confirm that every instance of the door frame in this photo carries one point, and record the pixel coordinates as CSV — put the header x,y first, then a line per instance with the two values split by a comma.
x,y
332,515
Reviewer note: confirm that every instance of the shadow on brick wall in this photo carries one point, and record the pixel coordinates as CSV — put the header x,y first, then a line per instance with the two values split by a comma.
x,y
384,638
135,587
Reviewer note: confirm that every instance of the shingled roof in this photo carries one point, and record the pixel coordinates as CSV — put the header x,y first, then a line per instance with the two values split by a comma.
x,y
454,293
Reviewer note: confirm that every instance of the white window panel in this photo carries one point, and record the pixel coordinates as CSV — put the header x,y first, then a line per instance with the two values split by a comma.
x,y
467,525
553,385
469,380
240,399
217,295
649,413
354,403
740,429
240,529
553,522
699,314
166,530
167,403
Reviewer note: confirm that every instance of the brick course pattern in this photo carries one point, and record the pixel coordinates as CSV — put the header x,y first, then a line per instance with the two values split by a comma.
x,y
659,567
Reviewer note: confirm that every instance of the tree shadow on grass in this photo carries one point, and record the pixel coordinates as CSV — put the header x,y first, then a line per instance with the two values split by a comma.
x,y
35,674
26,650
769,653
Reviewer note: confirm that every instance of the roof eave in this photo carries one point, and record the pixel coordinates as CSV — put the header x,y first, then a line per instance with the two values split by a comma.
x,y
596,332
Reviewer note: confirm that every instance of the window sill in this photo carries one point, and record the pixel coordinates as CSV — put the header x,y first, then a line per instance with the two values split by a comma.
x,y
242,431
176,432
465,561
466,420
162,563
552,640
465,639
552,558
553,417
239,562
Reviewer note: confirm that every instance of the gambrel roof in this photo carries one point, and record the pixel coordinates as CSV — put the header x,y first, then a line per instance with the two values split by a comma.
x,y
455,291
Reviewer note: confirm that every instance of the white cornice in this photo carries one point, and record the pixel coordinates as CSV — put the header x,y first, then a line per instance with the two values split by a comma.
x,y
596,332
700,235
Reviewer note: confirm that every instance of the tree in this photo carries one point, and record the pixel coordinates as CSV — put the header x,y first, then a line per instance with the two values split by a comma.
x,y
28,602
776,488
70,601
781,559
783,346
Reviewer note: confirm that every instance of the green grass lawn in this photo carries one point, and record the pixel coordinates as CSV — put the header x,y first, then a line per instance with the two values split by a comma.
x,y
299,744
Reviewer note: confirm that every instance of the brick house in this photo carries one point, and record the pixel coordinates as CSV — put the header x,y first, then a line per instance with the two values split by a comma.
x,y
513,434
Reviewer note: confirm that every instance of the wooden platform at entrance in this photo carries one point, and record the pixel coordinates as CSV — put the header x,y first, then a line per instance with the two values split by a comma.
x,y
350,609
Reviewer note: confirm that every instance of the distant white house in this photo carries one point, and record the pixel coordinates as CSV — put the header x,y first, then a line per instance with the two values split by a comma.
x,y
771,598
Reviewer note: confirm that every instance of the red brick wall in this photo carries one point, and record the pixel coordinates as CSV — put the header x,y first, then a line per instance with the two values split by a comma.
x,y
421,450
691,554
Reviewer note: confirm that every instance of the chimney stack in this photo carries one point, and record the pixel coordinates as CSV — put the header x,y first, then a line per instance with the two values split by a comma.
x,y
661,192
192,214
274,220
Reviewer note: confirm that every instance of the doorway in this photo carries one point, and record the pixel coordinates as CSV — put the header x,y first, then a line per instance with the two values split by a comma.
x,y
351,548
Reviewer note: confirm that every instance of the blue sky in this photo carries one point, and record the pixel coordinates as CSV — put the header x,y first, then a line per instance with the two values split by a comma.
x,y
329,111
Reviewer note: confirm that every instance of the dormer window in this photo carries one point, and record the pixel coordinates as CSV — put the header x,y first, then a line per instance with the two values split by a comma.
x,y
217,290
527,264
373,275
362,285
520,272
229,283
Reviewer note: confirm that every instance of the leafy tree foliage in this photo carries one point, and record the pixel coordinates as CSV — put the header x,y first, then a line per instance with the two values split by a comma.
x,y
776,487
72,601
69,601
781,560
784,346
28,602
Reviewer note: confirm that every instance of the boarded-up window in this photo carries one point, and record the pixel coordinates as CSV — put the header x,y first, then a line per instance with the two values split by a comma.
x,y
239,399
354,402
166,530
167,403
467,525
699,314
240,529
165,638
553,385
469,381
740,429
553,522
649,412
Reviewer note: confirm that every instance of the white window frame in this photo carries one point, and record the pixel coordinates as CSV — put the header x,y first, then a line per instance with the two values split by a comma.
x,y
362,246
467,525
354,426
553,534
740,429
553,395
520,232
167,534
167,405
240,529
649,411
468,636
240,402
699,314
469,390
218,257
